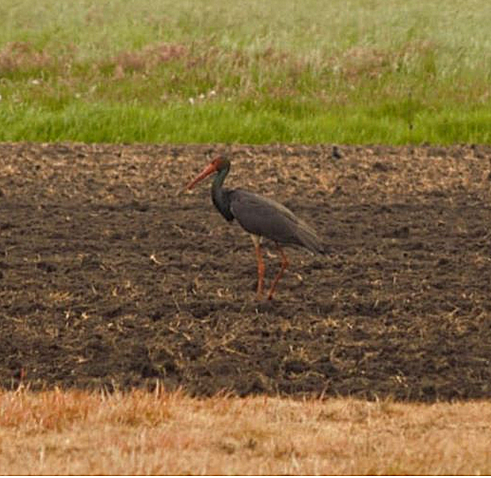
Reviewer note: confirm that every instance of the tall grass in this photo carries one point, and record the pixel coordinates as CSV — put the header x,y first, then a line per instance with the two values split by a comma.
x,y
385,71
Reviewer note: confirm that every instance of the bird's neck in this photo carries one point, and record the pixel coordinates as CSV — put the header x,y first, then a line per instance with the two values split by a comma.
x,y
220,196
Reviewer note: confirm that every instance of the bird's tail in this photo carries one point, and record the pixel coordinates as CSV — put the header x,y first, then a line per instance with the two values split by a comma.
x,y
310,239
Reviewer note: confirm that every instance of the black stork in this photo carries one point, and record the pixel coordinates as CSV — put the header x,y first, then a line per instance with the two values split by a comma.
x,y
260,217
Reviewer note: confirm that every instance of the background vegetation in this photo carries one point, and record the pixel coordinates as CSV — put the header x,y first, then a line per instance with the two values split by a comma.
x,y
304,71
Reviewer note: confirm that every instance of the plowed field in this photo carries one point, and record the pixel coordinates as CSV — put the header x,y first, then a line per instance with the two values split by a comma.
x,y
111,277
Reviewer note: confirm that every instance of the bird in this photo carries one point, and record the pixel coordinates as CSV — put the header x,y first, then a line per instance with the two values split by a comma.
x,y
261,217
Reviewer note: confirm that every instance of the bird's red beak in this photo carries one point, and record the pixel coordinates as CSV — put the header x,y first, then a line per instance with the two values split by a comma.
x,y
210,169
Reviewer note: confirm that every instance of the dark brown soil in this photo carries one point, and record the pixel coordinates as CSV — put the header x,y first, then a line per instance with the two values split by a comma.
x,y
111,278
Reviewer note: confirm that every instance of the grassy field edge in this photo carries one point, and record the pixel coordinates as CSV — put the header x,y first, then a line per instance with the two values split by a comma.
x,y
227,123
66,432
354,73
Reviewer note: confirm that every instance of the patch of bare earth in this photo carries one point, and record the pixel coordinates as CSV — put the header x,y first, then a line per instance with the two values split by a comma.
x,y
111,279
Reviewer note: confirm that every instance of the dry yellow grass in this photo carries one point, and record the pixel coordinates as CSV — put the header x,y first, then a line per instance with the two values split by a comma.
x,y
76,432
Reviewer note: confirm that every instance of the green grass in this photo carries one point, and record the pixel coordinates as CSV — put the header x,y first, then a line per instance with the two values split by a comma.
x,y
302,71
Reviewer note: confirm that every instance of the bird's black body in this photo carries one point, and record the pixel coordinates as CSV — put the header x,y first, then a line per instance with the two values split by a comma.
x,y
262,216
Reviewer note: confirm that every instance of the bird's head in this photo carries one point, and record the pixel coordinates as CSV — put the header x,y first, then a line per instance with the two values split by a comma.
x,y
218,164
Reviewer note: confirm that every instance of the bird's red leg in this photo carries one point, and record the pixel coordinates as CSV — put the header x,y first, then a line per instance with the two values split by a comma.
x,y
260,266
284,265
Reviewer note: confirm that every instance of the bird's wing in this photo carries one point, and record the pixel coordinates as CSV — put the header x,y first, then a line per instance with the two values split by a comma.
x,y
265,217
